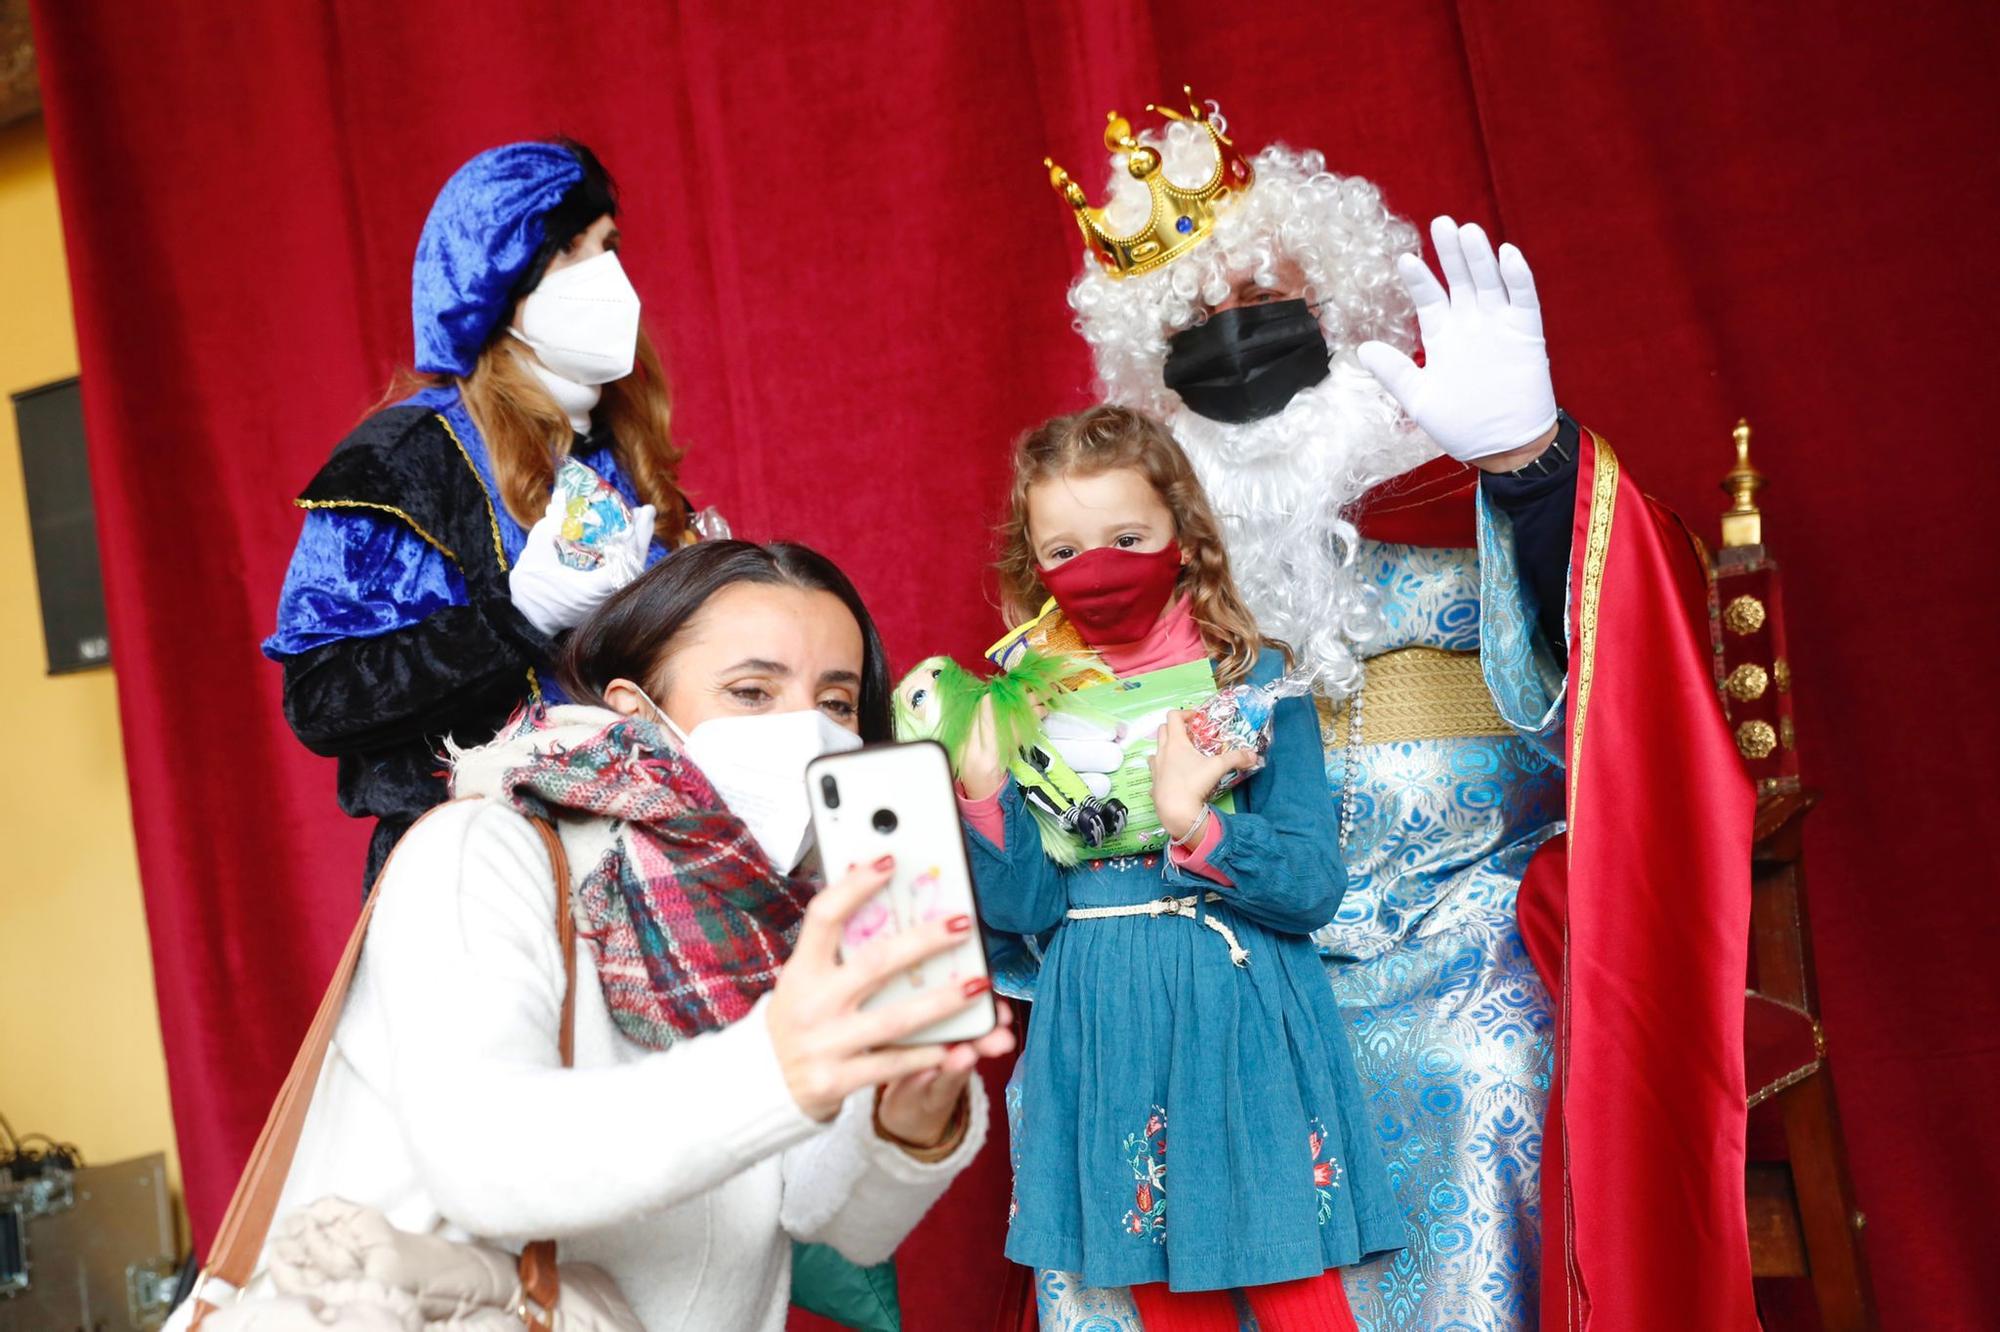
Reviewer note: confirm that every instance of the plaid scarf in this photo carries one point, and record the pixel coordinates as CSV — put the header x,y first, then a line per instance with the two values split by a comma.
x,y
688,919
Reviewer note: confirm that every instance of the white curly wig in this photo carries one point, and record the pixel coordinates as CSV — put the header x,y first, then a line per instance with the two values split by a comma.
x,y
1279,485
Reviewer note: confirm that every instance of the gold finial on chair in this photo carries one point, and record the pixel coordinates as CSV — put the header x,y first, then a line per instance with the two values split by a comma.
x,y
1742,521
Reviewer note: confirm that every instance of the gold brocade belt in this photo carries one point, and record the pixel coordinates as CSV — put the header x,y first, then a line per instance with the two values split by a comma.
x,y
1416,693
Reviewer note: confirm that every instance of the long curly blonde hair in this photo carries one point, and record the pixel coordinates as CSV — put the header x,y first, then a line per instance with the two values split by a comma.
x,y
1104,439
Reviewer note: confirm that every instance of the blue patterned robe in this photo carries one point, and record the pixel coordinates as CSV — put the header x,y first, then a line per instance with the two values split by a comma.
x,y
1452,1028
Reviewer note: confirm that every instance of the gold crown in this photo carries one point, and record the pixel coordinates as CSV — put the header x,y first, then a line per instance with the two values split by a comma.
x,y
1181,216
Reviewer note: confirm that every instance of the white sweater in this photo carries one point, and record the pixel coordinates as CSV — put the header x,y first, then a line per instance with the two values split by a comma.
x,y
683,1173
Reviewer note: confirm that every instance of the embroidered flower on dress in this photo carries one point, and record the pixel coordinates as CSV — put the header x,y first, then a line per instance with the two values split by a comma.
x,y
1146,1151
1326,1173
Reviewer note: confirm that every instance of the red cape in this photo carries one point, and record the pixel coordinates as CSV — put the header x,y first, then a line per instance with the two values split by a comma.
x,y
1638,920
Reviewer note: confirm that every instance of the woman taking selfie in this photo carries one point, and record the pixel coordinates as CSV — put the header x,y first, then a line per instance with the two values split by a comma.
x,y
433,576
728,1095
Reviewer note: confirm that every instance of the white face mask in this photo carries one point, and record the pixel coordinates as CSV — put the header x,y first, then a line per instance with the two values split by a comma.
x,y
583,321
757,764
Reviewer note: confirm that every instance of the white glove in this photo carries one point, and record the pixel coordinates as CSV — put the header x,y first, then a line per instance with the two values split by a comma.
x,y
1484,387
555,597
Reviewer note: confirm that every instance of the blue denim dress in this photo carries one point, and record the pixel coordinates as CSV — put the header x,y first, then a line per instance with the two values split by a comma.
x,y
1185,1118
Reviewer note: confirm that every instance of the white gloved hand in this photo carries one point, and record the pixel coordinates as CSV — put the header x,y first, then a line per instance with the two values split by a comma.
x,y
1484,387
555,597
628,554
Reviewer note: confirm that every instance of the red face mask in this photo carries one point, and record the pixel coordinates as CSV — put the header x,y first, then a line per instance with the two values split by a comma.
x,y
1113,596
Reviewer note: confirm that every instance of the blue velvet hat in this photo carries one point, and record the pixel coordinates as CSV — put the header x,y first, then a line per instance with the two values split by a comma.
x,y
484,235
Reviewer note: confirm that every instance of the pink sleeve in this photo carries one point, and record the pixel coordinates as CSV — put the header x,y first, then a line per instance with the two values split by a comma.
x,y
985,817
1195,861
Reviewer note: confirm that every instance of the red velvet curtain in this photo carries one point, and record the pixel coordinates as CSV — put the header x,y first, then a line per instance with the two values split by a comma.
x,y
838,219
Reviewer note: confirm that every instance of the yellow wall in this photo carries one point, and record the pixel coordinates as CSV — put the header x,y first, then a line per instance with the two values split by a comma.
x,y
80,1055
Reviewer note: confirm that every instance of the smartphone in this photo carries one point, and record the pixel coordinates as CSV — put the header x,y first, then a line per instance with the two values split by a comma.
x,y
898,800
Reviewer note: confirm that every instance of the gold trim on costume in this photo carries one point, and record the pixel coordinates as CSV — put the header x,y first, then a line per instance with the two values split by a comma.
x,y
493,520
1418,693
492,517
1596,549
390,509
1597,546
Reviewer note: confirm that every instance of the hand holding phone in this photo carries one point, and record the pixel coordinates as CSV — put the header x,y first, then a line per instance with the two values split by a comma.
x,y
828,1048
897,801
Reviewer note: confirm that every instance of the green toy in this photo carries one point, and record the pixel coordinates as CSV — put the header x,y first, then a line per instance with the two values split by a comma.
x,y
940,701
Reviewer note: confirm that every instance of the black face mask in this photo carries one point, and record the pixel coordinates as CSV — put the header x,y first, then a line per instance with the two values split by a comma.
x,y
1245,363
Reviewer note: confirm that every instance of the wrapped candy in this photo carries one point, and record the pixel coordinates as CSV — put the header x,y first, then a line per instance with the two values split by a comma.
x,y
594,515
1239,717
710,525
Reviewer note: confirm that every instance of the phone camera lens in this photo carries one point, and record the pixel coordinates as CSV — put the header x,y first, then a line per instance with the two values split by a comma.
x,y
884,821
829,791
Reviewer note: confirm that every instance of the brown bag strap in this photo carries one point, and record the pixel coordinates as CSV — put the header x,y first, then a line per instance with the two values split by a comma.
x,y
565,936
541,1282
254,1204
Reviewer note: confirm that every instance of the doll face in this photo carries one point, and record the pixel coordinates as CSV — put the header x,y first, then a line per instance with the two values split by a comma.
x,y
916,702
1068,515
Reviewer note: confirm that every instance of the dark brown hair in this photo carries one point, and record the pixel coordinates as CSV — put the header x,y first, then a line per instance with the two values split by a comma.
x,y
628,636
1103,439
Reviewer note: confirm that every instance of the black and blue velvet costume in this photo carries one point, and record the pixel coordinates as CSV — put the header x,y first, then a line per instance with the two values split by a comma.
x,y
395,627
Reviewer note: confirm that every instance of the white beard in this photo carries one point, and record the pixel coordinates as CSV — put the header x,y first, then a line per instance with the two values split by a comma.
x,y
1280,486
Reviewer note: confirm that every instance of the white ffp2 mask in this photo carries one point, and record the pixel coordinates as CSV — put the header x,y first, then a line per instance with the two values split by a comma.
x,y
583,321
757,764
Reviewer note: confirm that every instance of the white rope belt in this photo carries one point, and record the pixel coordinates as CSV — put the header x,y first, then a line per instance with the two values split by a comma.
x,y
1171,906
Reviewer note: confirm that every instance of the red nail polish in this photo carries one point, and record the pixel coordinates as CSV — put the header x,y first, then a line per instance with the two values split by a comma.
x,y
959,924
883,863
977,986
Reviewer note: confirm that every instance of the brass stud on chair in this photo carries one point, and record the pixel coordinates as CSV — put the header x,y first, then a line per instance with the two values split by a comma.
x,y
1746,682
1744,615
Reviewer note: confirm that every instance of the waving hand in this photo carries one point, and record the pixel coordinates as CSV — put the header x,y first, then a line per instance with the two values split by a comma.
x,y
1484,388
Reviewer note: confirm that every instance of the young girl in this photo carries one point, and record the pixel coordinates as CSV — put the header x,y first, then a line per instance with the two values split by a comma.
x,y
1146,1013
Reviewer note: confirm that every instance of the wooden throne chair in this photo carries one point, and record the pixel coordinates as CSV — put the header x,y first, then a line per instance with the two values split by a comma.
x,y
1804,1222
